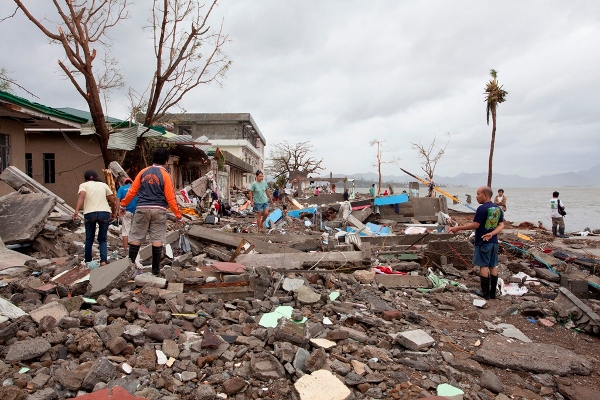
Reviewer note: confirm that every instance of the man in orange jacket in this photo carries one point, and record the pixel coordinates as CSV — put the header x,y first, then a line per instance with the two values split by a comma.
x,y
154,188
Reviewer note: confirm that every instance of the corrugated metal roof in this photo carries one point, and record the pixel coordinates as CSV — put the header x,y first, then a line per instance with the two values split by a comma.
x,y
125,140
88,116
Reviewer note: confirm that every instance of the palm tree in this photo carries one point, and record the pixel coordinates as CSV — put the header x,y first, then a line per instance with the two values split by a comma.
x,y
494,96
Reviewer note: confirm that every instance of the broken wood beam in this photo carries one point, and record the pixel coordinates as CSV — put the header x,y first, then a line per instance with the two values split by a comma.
x,y
232,240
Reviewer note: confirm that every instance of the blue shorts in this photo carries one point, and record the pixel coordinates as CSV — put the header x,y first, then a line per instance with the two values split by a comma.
x,y
486,255
258,207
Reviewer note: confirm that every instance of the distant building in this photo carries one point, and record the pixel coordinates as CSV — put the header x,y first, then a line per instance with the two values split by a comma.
x,y
234,134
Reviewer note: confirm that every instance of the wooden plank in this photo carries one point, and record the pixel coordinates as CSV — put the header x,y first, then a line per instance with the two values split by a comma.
x,y
296,260
232,240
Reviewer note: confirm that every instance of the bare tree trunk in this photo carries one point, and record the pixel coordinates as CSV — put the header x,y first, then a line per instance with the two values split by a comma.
x,y
489,180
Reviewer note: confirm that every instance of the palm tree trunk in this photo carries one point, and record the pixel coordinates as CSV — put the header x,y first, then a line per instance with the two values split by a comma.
x,y
489,180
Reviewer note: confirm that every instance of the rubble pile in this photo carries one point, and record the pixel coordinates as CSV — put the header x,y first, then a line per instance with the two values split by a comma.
x,y
297,313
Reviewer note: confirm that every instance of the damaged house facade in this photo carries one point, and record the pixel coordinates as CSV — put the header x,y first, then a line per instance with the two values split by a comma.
x,y
237,136
48,144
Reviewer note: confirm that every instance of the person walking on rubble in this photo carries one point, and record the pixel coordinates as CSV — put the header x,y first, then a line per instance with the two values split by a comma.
x,y
126,213
259,199
154,188
488,223
98,202
557,213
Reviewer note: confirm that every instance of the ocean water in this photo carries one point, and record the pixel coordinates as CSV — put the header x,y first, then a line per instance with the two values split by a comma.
x,y
533,204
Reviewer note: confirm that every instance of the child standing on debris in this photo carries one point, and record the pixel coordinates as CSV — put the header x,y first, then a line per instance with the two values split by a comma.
x,y
94,197
259,199
127,212
488,222
154,188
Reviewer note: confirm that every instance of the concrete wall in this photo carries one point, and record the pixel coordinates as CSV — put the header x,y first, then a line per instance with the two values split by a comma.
x,y
70,163
16,131
423,209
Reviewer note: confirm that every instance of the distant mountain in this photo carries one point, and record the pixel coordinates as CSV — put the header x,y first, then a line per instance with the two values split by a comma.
x,y
590,177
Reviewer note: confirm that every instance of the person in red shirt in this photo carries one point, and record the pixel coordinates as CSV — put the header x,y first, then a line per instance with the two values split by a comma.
x,y
154,189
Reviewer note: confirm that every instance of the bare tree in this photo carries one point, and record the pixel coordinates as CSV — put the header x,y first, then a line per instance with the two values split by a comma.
x,y
82,29
289,157
430,158
378,155
188,53
6,82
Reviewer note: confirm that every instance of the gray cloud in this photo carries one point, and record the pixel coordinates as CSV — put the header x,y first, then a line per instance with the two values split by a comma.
x,y
341,73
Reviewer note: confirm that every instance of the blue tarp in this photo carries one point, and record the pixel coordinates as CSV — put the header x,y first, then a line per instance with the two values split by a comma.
x,y
393,199
273,217
296,213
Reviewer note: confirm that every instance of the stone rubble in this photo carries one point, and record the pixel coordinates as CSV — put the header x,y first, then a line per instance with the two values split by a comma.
x,y
268,333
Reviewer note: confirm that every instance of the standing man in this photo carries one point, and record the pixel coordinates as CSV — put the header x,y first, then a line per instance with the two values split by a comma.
x,y
372,190
557,213
94,197
154,188
127,212
259,199
488,222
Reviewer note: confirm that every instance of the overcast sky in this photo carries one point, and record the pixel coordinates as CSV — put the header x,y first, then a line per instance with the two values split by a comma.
x,y
342,73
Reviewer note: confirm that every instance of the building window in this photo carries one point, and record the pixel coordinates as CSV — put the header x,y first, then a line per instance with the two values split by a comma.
x,y
49,168
184,130
4,152
29,165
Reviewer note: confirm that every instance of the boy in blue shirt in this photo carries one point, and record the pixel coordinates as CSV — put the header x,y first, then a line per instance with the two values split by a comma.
x,y
127,213
488,222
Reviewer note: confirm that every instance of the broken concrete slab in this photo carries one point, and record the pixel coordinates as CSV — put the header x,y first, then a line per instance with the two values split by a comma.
x,y
232,240
403,281
27,349
11,259
532,357
266,367
415,340
308,296
350,259
568,306
16,179
54,309
148,279
109,276
322,385
23,216
508,330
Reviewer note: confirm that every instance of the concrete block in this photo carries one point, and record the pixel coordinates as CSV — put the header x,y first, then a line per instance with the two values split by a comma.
x,y
23,216
110,276
402,281
574,285
355,334
148,279
54,309
311,387
415,340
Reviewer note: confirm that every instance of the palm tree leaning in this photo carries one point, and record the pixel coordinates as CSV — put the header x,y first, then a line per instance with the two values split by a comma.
x,y
495,95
